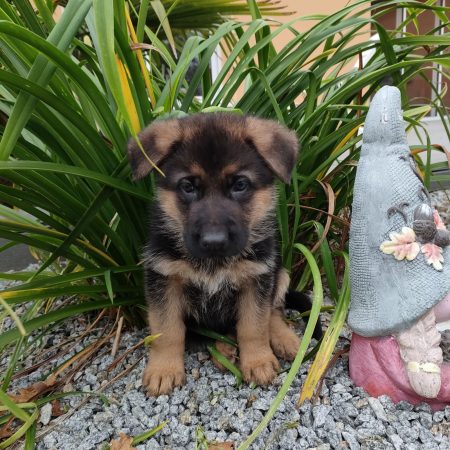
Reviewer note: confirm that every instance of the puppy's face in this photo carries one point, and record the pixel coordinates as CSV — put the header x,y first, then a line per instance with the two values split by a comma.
x,y
219,171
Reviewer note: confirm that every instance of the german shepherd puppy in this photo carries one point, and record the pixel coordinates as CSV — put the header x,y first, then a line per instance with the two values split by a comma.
x,y
211,256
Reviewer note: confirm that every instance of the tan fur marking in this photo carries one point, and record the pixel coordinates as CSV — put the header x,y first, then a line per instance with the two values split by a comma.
x,y
283,340
258,363
237,274
196,170
189,129
157,140
165,368
229,170
263,201
282,287
168,202
233,126
267,136
166,132
227,350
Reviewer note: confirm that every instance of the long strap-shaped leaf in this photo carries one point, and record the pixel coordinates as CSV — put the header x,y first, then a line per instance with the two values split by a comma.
x,y
107,180
313,317
72,70
42,71
320,364
104,24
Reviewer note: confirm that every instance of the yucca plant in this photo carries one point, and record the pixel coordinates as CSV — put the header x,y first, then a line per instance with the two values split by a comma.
x,y
68,107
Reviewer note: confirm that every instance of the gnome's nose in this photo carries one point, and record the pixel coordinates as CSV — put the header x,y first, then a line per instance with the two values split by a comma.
x,y
384,122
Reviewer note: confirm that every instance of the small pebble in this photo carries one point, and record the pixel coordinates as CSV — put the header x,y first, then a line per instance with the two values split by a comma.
x,y
377,408
45,414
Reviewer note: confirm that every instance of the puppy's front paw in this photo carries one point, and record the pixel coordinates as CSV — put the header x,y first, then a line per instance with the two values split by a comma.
x,y
160,377
260,369
227,350
285,343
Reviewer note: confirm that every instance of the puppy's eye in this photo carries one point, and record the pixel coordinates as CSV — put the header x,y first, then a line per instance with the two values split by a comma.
x,y
186,187
187,190
242,184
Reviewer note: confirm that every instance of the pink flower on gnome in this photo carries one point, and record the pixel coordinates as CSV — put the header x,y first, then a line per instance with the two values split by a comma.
x,y
433,255
402,245
438,221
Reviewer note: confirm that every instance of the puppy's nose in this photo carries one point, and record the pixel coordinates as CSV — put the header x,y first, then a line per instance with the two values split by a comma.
x,y
214,240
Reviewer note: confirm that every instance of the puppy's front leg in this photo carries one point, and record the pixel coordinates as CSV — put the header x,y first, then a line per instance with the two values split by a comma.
x,y
258,363
165,369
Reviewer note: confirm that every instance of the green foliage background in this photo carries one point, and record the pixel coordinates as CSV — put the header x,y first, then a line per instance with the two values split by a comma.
x,y
73,92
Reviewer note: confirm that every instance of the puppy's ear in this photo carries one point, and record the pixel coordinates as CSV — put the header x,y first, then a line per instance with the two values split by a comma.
x,y
157,141
275,143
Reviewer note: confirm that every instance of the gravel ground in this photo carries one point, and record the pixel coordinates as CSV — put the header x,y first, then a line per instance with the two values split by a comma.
x,y
210,408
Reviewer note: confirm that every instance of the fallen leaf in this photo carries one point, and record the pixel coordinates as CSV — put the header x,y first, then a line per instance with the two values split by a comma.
x,y
221,446
56,408
433,255
123,443
402,245
33,391
5,431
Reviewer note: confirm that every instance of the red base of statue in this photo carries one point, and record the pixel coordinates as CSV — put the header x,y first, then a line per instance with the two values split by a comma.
x,y
375,365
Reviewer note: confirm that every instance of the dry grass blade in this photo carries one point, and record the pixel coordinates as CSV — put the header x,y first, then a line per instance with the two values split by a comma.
x,y
5,430
83,354
332,362
331,206
82,403
334,217
123,356
117,337
324,355
64,351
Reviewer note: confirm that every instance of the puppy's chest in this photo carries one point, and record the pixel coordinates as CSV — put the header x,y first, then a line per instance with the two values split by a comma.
x,y
216,309
212,298
211,281
212,291
200,298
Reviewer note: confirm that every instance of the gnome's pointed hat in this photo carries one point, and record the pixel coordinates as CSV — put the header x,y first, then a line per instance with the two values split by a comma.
x,y
397,269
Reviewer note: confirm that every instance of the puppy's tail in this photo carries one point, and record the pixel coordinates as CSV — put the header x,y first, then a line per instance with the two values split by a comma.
x,y
301,302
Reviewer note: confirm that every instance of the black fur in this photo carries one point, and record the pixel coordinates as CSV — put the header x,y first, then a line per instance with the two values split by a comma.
x,y
212,255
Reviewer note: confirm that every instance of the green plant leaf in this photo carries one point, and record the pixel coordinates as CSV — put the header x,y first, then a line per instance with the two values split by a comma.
x,y
41,72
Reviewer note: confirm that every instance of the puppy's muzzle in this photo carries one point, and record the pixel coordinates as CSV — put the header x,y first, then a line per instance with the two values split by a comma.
x,y
214,240
215,229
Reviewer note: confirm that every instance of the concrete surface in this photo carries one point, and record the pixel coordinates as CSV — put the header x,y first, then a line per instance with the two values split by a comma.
x,y
15,258
437,134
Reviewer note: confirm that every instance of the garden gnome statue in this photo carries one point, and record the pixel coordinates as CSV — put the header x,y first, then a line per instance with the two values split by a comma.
x,y
399,268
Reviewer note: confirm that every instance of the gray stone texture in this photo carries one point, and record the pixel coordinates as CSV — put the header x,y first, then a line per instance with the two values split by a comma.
x,y
387,295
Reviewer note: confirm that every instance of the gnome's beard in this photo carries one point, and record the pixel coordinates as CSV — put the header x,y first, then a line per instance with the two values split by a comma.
x,y
420,349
